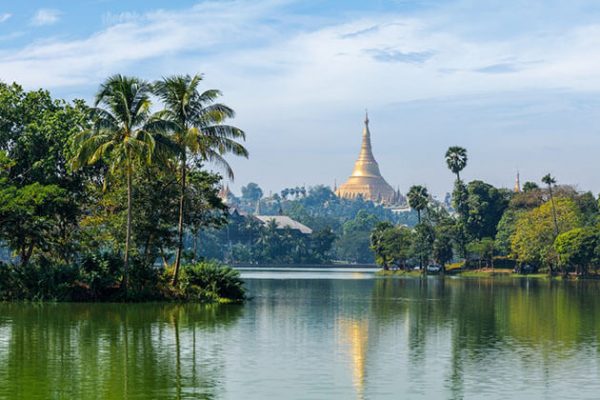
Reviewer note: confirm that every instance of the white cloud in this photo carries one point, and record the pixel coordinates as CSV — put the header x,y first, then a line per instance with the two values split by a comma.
x,y
45,16
4,17
308,86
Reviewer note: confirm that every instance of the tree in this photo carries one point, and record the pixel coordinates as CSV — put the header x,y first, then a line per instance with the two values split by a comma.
x,y
424,237
485,205
530,186
442,244
576,247
252,192
42,198
550,181
418,199
484,250
120,137
197,129
378,245
533,238
391,244
456,159
505,230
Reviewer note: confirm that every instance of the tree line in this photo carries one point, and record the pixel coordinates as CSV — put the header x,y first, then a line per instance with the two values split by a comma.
x,y
548,227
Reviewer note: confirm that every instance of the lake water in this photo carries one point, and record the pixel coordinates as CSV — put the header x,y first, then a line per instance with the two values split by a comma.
x,y
315,335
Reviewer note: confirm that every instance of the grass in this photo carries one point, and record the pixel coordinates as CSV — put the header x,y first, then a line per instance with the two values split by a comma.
x,y
474,273
399,272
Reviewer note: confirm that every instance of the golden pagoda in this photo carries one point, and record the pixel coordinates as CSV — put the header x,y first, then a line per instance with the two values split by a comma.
x,y
366,180
517,188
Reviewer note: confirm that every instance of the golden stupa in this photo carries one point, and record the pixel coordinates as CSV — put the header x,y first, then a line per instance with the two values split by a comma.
x,y
366,180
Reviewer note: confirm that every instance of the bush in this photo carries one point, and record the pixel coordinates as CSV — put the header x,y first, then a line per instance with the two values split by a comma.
x,y
98,277
36,281
212,281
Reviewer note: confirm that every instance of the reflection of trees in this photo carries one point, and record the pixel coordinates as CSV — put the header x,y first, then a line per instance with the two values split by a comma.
x,y
110,351
484,317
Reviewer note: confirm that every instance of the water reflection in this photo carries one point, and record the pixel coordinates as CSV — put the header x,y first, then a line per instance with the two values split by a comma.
x,y
315,338
110,351
355,335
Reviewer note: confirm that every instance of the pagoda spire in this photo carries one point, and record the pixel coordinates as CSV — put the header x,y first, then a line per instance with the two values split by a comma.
x,y
366,164
517,183
366,181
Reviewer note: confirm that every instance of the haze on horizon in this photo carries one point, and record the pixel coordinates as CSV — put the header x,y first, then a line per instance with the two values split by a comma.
x,y
515,82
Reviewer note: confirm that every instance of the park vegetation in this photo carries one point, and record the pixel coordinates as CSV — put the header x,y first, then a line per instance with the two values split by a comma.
x,y
341,228
551,229
92,196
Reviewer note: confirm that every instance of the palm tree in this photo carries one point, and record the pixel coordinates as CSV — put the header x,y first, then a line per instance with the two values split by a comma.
x,y
418,198
456,158
551,181
120,136
197,130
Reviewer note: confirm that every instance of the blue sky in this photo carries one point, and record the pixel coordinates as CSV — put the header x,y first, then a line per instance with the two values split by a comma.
x,y
515,82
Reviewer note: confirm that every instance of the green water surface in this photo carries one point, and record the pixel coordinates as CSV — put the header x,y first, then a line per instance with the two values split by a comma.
x,y
315,335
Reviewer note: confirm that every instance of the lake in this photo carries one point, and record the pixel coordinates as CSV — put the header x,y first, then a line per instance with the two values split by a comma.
x,y
314,334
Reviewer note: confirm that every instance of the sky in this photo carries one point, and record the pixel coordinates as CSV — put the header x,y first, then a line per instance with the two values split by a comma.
x,y
516,82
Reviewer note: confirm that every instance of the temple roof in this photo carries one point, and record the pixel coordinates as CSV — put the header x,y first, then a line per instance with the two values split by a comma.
x,y
283,221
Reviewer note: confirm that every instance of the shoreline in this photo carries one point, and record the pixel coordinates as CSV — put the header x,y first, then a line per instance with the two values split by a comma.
x,y
487,273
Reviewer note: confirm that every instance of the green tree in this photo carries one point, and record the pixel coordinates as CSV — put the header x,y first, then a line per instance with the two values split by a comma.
x,y
44,198
424,238
576,248
550,181
120,137
486,205
484,250
252,192
392,245
418,199
533,239
505,230
442,244
530,186
197,130
456,159
378,244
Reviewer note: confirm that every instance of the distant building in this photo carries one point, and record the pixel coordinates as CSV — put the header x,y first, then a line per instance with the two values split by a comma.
x,y
366,180
283,222
517,188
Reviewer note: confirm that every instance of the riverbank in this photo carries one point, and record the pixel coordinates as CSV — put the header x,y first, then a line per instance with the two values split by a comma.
x,y
100,279
486,273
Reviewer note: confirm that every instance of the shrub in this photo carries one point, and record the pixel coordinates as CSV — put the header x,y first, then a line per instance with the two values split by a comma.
x,y
212,281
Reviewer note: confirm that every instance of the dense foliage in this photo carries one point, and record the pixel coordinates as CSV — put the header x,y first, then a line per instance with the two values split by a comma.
x,y
341,228
552,228
92,197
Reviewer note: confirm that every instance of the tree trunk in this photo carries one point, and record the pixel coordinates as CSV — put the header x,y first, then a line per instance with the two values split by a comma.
x,y
553,211
125,283
164,258
180,225
26,252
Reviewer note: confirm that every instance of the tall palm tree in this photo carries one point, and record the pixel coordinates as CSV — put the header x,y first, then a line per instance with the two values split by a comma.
x,y
120,136
456,158
418,198
551,181
198,131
